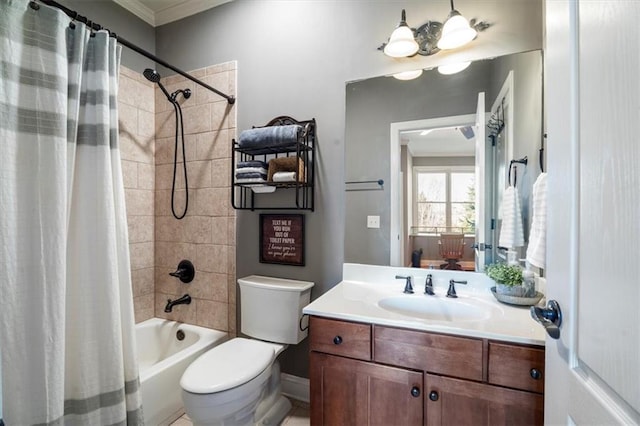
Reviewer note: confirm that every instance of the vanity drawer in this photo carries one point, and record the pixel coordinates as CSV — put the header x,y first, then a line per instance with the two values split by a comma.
x,y
435,353
520,367
348,339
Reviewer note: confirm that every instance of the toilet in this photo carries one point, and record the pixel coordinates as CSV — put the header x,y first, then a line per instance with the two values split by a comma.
x,y
238,382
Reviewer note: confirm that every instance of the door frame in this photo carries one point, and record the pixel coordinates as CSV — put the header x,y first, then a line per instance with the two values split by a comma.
x,y
396,231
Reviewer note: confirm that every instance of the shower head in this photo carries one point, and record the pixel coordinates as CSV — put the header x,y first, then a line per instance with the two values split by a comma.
x,y
154,77
151,75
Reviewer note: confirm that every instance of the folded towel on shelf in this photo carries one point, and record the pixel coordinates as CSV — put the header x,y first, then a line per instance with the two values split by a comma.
x,y
274,136
252,163
251,170
251,180
286,164
284,177
538,236
511,233
250,175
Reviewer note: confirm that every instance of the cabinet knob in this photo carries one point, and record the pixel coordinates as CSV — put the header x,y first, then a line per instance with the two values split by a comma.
x,y
535,374
433,395
337,340
415,391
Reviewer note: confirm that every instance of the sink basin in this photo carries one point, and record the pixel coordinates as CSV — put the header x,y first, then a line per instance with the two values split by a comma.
x,y
436,309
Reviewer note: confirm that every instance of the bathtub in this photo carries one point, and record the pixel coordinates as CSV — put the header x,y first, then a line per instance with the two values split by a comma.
x,y
162,359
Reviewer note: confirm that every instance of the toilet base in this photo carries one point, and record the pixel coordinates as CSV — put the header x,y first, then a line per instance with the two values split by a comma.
x,y
276,413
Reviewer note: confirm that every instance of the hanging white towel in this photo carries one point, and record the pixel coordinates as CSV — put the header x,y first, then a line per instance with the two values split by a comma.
x,y
511,234
538,235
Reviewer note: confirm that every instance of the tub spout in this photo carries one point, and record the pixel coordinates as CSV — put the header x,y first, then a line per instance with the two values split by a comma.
x,y
184,300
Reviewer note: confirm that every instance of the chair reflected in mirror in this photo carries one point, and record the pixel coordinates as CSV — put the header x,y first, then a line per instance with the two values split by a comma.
x,y
451,247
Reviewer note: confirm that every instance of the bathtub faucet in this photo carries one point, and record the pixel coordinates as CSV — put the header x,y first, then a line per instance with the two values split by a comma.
x,y
184,300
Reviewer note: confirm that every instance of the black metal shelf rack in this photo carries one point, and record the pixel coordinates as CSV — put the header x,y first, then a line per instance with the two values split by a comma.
x,y
299,195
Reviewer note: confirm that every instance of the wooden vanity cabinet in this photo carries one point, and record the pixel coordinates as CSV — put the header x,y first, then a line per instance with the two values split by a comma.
x,y
363,374
346,391
450,401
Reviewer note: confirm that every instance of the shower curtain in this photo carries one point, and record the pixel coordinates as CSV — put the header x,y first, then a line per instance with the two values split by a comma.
x,y
67,328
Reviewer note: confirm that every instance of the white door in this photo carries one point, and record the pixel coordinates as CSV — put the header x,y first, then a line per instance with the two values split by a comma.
x,y
480,185
592,93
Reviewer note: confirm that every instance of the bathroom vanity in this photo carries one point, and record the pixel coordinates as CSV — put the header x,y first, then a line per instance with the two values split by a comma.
x,y
379,356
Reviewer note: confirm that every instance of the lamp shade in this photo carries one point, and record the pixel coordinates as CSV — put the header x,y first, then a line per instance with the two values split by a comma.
x,y
408,75
453,68
456,32
402,42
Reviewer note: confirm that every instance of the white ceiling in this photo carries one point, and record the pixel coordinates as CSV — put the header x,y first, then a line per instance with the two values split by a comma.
x,y
444,142
160,12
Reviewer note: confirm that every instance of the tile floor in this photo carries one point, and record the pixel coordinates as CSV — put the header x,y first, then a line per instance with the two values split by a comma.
x,y
298,416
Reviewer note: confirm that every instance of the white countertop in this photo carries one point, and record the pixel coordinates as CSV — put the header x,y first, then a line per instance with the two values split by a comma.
x,y
359,295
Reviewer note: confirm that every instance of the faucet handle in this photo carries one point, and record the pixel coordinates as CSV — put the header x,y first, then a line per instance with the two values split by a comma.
x,y
408,287
451,292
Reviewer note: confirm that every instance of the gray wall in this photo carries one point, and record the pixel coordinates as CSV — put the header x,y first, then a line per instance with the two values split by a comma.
x,y
123,23
294,59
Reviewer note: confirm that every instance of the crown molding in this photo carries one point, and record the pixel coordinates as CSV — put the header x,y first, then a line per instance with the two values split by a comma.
x,y
180,9
184,9
138,9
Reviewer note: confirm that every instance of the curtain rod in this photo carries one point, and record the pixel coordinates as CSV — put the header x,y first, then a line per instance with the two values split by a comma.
x,y
97,27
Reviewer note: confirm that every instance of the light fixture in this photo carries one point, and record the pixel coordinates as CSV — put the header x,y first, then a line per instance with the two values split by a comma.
x,y
408,75
448,69
456,31
402,42
431,36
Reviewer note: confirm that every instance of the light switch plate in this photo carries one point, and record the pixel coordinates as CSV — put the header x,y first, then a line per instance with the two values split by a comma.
x,y
373,221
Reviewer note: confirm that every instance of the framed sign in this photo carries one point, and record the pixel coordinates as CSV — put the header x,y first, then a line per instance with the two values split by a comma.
x,y
282,239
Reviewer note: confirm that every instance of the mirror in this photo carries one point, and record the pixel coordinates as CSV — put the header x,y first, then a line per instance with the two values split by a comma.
x,y
384,114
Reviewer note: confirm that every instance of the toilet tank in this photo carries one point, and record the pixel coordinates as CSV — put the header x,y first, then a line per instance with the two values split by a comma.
x,y
271,308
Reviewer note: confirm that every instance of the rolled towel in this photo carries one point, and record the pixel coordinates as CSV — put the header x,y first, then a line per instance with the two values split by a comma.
x,y
286,164
252,163
251,170
284,177
251,175
274,136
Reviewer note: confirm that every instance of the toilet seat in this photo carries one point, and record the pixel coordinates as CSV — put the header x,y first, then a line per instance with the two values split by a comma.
x,y
228,365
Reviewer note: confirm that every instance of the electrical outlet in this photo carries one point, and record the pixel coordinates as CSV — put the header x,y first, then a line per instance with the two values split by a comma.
x,y
373,221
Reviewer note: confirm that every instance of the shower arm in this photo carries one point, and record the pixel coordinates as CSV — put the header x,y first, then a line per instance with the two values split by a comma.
x,y
74,15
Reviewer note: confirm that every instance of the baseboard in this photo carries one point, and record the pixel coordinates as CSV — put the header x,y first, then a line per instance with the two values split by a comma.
x,y
295,387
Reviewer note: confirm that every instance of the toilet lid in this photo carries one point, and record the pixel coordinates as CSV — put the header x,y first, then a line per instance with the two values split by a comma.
x,y
228,365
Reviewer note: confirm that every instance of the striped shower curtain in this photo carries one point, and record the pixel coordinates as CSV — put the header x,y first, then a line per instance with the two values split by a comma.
x,y
67,325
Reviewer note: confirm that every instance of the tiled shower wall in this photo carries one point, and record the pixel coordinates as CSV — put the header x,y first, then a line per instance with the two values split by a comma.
x,y
206,235
136,117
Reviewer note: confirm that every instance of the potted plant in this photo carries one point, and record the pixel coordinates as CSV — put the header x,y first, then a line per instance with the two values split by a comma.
x,y
508,279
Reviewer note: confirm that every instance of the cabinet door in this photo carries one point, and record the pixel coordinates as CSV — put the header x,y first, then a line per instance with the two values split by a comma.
x,y
461,402
349,392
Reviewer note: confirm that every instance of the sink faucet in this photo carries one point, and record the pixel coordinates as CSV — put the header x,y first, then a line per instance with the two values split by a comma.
x,y
452,288
408,287
184,300
428,286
